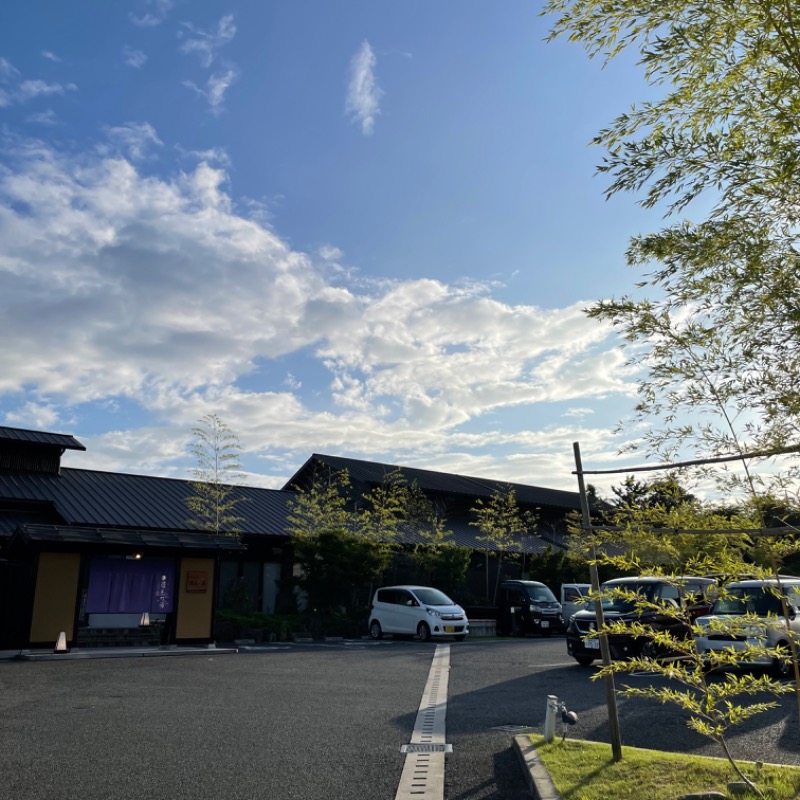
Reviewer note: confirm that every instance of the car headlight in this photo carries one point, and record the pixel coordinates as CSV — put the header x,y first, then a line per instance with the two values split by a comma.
x,y
434,613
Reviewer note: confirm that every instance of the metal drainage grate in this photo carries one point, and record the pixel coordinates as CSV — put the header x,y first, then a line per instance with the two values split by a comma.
x,y
426,748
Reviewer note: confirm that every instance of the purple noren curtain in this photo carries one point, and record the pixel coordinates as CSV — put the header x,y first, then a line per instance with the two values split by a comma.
x,y
127,586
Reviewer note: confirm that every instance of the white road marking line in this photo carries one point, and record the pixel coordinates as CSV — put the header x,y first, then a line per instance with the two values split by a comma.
x,y
423,772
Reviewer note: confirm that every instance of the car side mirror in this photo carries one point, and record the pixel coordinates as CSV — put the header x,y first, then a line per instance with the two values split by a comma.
x,y
793,611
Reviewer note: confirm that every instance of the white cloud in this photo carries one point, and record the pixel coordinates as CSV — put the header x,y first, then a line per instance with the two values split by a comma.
x,y
122,285
33,415
329,253
48,118
158,13
30,89
205,44
50,56
22,91
134,58
216,86
363,92
134,139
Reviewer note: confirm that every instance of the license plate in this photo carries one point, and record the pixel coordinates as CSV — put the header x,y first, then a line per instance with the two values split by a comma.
x,y
449,628
591,644
544,623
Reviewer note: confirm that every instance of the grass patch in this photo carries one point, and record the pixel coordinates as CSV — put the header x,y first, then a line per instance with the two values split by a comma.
x,y
584,771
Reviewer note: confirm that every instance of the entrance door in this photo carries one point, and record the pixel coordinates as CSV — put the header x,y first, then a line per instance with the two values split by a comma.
x,y
16,599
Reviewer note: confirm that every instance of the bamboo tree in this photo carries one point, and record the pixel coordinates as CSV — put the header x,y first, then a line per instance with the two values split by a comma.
x,y
502,524
215,500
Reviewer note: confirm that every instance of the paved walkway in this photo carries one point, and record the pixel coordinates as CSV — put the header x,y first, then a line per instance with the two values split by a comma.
x,y
114,652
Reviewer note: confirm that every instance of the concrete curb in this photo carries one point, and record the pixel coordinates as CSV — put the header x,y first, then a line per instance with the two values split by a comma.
x,y
536,774
113,652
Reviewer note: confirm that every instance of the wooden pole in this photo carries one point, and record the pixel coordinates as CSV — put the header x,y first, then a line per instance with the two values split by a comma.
x,y
605,650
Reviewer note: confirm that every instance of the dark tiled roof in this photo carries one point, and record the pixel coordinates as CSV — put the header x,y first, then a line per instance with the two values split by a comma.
x,y
466,535
129,537
40,438
112,499
441,482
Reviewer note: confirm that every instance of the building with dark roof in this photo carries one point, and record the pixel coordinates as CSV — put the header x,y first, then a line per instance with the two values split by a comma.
x,y
87,553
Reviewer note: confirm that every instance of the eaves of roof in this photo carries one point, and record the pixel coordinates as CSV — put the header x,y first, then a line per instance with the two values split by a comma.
x,y
61,440
441,482
183,540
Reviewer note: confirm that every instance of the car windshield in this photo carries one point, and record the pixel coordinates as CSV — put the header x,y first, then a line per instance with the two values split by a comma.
x,y
645,590
747,600
433,597
540,594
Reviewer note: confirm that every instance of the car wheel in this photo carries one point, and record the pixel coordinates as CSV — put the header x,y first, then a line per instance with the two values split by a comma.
x,y
782,667
424,631
375,630
460,637
649,650
584,661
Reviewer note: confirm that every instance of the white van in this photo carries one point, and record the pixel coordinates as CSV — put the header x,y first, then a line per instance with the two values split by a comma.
x,y
416,610
573,598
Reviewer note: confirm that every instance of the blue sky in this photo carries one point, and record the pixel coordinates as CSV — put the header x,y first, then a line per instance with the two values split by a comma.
x,y
360,228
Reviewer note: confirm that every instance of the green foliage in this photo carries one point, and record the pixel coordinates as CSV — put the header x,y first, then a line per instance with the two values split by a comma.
x,y
335,564
502,524
555,566
213,505
443,566
233,624
712,704
716,327
322,507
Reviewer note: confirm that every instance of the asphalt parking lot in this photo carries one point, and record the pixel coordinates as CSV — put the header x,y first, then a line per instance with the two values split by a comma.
x,y
314,721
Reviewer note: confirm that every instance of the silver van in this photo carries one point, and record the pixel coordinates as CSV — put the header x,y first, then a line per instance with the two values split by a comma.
x,y
416,611
749,614
573,598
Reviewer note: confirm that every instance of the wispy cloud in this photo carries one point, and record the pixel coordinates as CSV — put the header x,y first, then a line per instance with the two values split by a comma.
x,y
134,139
7,69
216,86
205,44
154,17
48,118
51,56
29,89
212,155
363,92
134,58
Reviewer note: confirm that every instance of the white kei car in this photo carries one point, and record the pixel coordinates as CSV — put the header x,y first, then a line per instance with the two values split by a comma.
x,y
416,610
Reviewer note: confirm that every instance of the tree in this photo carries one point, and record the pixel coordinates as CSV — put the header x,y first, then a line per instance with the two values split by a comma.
x,y
335,564
718,327
320,507
712,704
503,524
214,502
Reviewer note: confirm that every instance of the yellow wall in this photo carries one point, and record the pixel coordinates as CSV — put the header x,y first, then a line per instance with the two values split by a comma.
x,y
194,608
56,595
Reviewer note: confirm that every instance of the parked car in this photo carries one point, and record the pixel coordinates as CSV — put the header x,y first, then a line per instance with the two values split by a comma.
x,y
684,592
527,607
749,613
416,610
573,598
